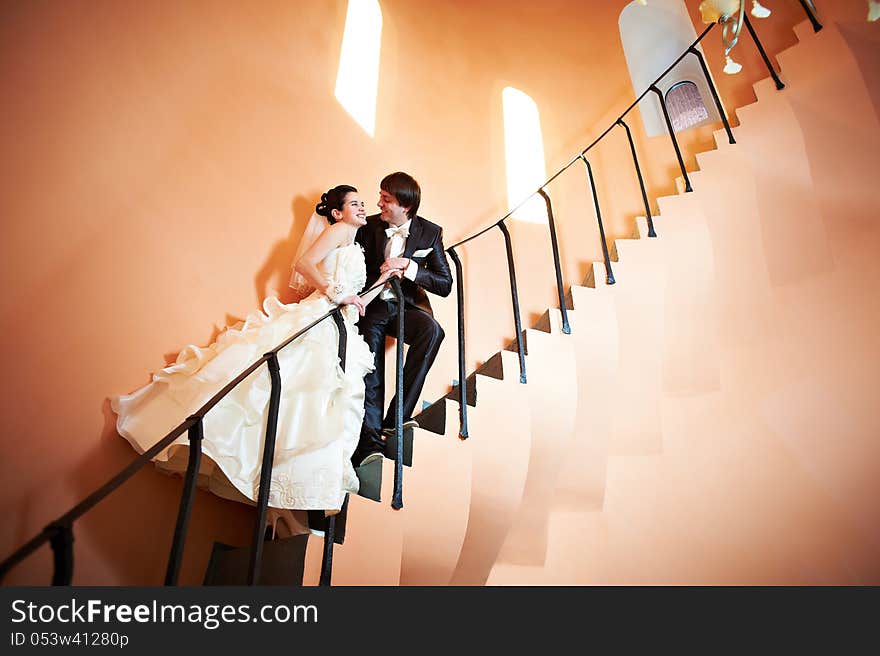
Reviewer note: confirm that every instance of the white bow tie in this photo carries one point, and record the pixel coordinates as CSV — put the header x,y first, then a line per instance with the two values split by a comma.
x,y
401,231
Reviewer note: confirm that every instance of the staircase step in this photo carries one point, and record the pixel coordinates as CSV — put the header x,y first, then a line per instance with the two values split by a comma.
x,y
391,447
433,418
282,563
765,88
804,31
471,391
721,138
370,478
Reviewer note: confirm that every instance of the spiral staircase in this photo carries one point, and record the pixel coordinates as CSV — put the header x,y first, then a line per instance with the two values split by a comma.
x,y
697,426
710,418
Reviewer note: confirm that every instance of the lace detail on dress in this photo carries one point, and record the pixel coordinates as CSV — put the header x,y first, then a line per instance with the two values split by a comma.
x,y
287,493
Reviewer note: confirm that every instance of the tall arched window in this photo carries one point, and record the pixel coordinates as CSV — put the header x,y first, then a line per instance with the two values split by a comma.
x,y
524,154
685,106
653,37
357,80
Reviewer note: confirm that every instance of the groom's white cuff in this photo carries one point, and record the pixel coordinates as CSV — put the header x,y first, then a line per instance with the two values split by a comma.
x,y
411,270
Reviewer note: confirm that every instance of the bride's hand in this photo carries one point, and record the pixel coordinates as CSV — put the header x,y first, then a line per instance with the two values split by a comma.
x,y
355,300
389,274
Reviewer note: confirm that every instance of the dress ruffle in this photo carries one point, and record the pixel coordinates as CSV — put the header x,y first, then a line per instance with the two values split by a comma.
x,y
321,406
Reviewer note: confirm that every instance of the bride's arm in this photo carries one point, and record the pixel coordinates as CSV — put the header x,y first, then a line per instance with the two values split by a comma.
x,y
307,265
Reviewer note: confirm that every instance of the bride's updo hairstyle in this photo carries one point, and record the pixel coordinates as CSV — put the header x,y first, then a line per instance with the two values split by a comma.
x,y
334,199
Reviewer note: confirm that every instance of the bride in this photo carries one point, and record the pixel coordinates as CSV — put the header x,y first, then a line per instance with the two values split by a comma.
x,y
322,406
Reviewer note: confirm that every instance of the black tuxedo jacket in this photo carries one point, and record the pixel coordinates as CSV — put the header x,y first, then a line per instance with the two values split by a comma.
x,y
433,274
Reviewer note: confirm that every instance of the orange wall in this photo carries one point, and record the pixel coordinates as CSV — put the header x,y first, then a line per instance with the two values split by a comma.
x,y
160,162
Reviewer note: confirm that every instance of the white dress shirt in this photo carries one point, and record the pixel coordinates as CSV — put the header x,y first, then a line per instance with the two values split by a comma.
x,y
394,248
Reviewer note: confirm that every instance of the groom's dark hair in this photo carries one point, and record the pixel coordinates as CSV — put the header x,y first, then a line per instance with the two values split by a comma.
x,y
405,189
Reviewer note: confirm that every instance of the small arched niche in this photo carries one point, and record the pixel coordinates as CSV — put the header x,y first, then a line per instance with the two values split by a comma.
x,y
653,37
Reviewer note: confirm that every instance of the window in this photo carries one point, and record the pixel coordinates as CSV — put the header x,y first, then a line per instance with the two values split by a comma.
x,y
524,155
685,106
357,80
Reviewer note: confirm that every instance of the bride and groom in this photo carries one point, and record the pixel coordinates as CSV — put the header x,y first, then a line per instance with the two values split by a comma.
x,y
330,420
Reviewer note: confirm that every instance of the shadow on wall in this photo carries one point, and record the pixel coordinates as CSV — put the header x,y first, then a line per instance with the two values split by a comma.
x,y
273,276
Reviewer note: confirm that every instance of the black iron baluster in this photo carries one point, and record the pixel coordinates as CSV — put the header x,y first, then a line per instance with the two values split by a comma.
x,y
811,15
632,146
327,560
330,521
687,180
566,328
609,274
397,498
779,84
696,53
266,471
514,295
61,540
196,434
462,366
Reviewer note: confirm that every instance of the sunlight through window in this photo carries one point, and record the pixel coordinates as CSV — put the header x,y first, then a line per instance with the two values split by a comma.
x,y
524,154
357,80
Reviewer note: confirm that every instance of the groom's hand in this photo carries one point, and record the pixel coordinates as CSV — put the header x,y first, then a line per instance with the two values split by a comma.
x,y
400,263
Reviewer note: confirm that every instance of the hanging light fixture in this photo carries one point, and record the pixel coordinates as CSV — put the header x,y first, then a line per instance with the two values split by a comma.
x,y
730,14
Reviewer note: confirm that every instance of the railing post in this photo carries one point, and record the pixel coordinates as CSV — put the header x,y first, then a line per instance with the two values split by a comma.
x,y
266,471
609,274
566,328
330,522
397,498
779,84
462,365
687,180
196,434
327,560
696,53
61,540
632,146
810,8
514,295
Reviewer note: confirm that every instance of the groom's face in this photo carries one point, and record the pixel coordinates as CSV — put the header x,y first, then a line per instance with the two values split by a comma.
x,y
390,210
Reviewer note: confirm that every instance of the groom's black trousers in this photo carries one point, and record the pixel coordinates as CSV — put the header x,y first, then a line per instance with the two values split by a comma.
x,y
423,335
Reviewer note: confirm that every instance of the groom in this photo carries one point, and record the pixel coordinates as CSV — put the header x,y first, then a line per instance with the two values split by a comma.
x,y
399,240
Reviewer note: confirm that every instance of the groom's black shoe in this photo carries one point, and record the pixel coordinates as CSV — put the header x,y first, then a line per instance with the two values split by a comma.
x,y
407,425
364,455
371,457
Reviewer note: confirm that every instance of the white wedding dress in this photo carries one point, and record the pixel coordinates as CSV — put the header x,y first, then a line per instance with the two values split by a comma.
x,y
321,408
